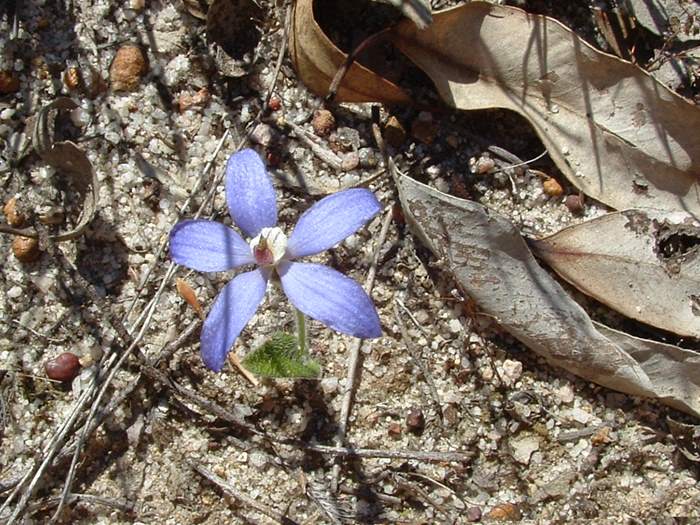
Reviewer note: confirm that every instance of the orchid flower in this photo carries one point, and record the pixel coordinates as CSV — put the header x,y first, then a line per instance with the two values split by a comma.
x,y
314,289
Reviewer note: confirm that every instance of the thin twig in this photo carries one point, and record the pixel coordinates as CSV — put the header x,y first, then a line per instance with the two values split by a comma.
x,y
323,154
354,364
362,492
417,358
122,505
39,334
510,157
241,497
421,495
417,455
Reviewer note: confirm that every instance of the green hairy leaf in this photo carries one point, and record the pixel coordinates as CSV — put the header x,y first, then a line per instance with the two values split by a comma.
x,y
281,356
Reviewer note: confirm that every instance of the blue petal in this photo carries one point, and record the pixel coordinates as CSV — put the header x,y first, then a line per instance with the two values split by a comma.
x,y
249,193
330,297
232,310
208,246
331,220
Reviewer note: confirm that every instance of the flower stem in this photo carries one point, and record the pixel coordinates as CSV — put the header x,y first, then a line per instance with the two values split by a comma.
x,y
301,331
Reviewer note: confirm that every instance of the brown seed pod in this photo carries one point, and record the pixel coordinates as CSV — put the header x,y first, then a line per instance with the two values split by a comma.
x,y
72,78
26,249
63,367
323,122
15,218
415,420
552,187
128,67
575,203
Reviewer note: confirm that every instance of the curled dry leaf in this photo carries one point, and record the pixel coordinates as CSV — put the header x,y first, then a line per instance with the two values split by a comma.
x,y
492,263
317,60
68,159
615,132
643,263
674,372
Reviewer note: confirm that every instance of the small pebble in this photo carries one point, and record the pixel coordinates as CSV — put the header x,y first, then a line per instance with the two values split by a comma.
x,y
127,69
63,368
522,448
349,161
323,122
565,394
512,370
415,421
26,249
14,217
368,158
482,165
329,385
455,326
473,514
264,135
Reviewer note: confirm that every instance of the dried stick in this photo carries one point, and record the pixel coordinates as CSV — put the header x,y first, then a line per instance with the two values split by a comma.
x,y
243,498
416,357
354,365
323,154
122,505
421,495
418,455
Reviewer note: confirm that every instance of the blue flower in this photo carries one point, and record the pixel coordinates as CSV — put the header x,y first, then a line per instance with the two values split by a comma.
x,y
316,290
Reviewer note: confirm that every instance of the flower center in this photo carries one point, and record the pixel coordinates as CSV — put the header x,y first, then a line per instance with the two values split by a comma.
x,y
269,246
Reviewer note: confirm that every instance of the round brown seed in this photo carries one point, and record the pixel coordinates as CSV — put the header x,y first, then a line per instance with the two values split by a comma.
x,y
63,367
26,249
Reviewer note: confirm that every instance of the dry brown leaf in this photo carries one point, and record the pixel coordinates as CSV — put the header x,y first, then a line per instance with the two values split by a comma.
x,y
316,60
492,263
69,160
643,263
189,295
674,372
615,132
